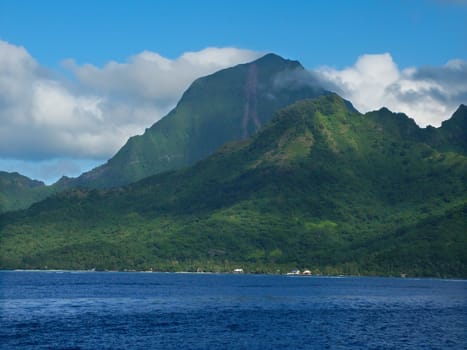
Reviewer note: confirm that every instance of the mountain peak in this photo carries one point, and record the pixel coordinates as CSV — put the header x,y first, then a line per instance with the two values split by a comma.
x,y
229,105
396,121
458,119
15,177
18,191
461,112
276,60
452,133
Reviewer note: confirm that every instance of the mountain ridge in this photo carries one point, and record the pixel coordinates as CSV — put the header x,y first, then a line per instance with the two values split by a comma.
x,y
437,137
17,191
451,133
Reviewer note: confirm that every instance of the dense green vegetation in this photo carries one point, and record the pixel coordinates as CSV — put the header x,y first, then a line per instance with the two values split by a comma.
x,y
18,191
319,187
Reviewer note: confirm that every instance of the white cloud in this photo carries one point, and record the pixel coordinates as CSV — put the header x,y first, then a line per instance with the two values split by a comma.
x,y
151,78
427,94
43,115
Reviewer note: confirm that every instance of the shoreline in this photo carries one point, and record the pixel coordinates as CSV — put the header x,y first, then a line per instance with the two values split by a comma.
x,y
453,279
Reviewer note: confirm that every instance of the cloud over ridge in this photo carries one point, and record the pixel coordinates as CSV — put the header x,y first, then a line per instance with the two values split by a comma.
x,y
427,94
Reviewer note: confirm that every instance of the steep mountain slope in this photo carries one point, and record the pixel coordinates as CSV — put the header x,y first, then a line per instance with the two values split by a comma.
x,y
18,191
231,104
451,135
318,187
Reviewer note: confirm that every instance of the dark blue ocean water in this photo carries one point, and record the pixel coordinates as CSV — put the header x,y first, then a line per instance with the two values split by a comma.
x,y
93,310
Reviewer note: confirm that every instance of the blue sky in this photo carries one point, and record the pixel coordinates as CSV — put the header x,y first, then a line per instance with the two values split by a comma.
x,y
315,32
61,112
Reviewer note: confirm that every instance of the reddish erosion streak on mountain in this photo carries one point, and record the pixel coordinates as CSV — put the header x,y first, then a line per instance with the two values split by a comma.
x,y
250,112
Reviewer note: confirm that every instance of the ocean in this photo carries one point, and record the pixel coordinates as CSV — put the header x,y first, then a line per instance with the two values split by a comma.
x,y
118,310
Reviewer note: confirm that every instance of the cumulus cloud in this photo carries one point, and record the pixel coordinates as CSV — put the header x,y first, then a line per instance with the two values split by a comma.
x,y
427,94
149,77
52,126
43,115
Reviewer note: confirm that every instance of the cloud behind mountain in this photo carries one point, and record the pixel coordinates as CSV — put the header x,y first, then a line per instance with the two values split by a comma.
x,y
428,94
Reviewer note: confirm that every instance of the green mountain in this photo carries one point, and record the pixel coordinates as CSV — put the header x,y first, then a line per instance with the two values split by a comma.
x,y
18,191
319,187
451,135
228,105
